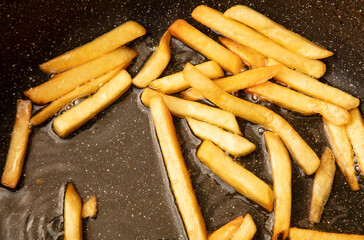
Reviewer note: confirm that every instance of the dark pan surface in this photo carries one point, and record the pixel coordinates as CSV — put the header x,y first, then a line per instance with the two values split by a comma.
x,y
116,156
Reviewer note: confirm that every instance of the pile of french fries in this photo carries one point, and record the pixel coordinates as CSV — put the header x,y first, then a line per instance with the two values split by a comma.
x,y
271,52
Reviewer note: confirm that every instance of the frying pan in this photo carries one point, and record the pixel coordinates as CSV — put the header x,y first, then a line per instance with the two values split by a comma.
x,y
116,156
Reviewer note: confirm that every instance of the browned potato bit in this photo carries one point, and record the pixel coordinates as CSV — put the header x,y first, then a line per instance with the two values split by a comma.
x,y
246,230
89,208
355,131
72,214
305,234
225,232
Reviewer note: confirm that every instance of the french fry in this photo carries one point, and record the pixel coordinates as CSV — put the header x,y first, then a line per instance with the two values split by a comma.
x,y
185,32
85,89
322,185
290,40
175,82
298,102
72,214
305,234
64,82
89,208
343,151
156,64
282,184
87,109
242,180
177,172
355,131
230,142
237,82
246,230
183,108
107,42
225,232
301,152
18,144
314,88
256,41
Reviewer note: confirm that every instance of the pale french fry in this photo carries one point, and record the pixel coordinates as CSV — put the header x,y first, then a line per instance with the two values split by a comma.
x,y
85,89
18,144
64,82
314,88
72,214
175,82
290,40
343,151
107,42
298,102
355,131
237,82
225,232
177,172
185,32
301,152
305,234
282,184
322,184
242,180
230,142
156,64
249,56
246,230
183,108
89,208
87,109
256,41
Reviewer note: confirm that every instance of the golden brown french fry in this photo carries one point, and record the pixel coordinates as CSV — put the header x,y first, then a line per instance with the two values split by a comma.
x,y
237,82
305,234
87,109
183,108
107,42
246,230
177,171
242,180
64,82
355,131
89,208
225,232
301,152
282,184
156,64
230,142
343,151
290,40
256,41
18,144
185,32
175,82
249,56
298,102
322,184
72,214
314,88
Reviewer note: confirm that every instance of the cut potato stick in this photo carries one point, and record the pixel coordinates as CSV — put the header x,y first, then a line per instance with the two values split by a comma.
x,y
314,88
107,42
230,142
175,82
177,172
86,89
298,102
246,230
301,152
248,55
156,64
66,81
89,208
355,131
87,109
225,232
183,108
322,185
185,32
343,151
72,214
305,234
282,184
18,144
254,40
290,40
242,180
237,82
